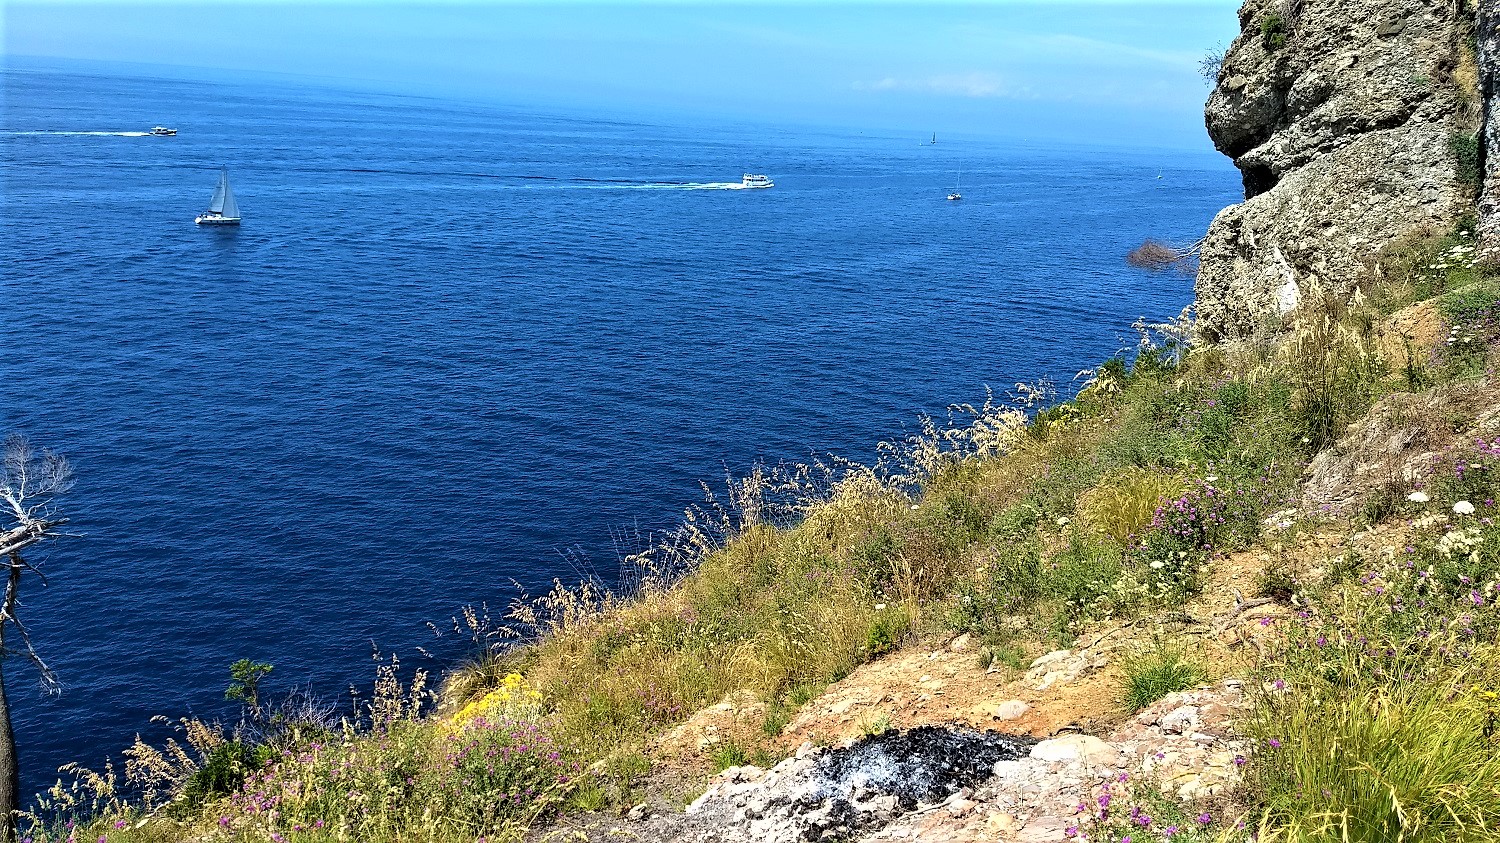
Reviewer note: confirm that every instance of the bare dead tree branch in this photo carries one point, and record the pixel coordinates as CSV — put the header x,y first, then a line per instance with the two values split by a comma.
x,y
30,483
1156,255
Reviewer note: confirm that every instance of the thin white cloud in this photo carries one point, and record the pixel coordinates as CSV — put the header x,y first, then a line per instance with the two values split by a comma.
x,y
975,85
1080,45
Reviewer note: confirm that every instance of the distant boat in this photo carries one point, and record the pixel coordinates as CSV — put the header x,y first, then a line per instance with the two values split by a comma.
x,y
934,137
955,195
162,130
222,209
753,180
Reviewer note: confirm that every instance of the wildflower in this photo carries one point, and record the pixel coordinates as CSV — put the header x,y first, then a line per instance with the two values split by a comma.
x,y
1205,818
1169,831
1464,508
1275,744
119,824
1418,497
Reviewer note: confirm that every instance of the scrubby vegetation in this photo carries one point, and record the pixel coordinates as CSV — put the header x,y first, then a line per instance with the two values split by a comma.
x,y
1023,522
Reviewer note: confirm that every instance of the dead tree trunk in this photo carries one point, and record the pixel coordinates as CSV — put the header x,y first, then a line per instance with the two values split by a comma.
x,y
10,767
29,483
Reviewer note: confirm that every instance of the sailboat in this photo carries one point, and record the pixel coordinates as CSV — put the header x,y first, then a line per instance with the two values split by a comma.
x,y
934,137
222,209
955,195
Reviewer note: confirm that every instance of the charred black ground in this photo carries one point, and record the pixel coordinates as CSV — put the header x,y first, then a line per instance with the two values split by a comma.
x,y
925,764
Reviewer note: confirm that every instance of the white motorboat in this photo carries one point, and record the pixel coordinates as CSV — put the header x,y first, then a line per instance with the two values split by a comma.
x,y
162,131
222,209
752,180
954,195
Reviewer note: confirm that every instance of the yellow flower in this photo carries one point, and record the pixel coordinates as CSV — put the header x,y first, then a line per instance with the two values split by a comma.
x,y
514,698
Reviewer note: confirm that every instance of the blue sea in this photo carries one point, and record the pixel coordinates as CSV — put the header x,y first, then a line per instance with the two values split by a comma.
x,y
456,345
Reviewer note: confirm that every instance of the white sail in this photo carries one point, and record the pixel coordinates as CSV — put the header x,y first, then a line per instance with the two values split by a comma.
x,y
230,207
216,205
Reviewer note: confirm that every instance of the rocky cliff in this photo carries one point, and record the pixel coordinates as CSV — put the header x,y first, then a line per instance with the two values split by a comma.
x,y
1342,116
1487,44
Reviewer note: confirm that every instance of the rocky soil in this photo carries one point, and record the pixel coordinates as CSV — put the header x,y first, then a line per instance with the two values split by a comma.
x,y
928,744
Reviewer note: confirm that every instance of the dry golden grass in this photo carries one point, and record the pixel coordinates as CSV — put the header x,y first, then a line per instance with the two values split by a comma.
x,y
1121,505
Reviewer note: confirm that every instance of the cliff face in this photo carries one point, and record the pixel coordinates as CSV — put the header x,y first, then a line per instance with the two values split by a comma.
x,y
1340,115
1487,41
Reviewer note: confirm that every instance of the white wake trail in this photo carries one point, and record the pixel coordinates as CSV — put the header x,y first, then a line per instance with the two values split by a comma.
x,y
713,185
89,134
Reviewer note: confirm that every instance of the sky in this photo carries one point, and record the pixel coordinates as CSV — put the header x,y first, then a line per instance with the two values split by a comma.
x,y
1106,71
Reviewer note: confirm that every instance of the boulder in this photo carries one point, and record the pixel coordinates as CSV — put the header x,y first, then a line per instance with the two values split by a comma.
x,y
1342,129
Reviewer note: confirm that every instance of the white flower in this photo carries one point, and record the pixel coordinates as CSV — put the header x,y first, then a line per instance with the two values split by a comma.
x,y
1063,521
1158,565
1418,497
1463,508
1212,478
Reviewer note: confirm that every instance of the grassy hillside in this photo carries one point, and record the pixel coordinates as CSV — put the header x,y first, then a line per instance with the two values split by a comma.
x,y
1024,523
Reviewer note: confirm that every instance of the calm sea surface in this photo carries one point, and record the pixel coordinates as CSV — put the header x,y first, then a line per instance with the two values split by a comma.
x,y
453,341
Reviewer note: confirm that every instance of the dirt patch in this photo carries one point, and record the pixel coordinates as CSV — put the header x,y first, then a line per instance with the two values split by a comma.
x,y
1396,444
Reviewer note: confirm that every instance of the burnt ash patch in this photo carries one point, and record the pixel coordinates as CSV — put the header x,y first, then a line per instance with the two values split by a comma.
x,y
922,765
846,792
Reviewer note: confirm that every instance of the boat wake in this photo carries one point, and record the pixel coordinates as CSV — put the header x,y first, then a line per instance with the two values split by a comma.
x,y
89,134
559,182
709,185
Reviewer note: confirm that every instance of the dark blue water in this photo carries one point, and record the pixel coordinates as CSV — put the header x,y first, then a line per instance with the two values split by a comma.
x,y
451,341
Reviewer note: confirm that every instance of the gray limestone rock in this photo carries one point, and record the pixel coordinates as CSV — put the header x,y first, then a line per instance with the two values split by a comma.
x,y
1343,137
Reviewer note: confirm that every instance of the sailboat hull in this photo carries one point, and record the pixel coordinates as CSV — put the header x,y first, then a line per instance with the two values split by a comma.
x,y
213,219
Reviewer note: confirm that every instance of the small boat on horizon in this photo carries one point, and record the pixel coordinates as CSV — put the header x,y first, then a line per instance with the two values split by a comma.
x,y
222,209
162,131
954,195
753,180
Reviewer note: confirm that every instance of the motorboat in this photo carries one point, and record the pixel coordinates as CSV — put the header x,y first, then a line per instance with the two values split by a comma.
x,y
162,131
753,180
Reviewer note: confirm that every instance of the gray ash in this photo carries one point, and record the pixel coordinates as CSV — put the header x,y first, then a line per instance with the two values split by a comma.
x,y
921,765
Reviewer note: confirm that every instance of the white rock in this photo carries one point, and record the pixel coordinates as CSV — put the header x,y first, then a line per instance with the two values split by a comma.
x,y
1075,748
1011,710
1007,769
1051,658
1180,719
